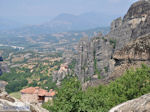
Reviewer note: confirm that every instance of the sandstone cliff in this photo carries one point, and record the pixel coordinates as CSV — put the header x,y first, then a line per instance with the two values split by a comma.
x,y
93,58
107,57
134,24
132,55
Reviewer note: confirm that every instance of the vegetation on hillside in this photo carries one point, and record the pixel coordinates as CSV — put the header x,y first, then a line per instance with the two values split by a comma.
x,y
29,68
113,42
21,77
71,98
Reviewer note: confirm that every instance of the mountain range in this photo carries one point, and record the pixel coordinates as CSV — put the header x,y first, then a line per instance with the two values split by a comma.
x,y
61,23
68,22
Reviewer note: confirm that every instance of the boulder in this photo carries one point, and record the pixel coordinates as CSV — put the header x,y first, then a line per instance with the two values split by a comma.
x,y
141,104
9,104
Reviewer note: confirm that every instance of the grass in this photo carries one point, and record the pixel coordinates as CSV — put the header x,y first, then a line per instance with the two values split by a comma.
x,y
16,95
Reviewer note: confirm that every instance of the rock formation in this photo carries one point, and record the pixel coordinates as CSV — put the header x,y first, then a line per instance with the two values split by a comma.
x,y
133,54
59,75
134,24
137,50
141,104
109,56
93,58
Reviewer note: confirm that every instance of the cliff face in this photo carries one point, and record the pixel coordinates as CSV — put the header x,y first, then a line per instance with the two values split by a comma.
x,y
93,58
139,18
137,50
106,56
133,54
134,24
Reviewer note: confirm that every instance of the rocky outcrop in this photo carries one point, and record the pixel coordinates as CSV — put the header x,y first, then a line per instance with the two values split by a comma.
x,y
8,103
93,58
59,75
37,108
141,104
132,55
110,55
137,50
116,23
134,24
85,59
139,18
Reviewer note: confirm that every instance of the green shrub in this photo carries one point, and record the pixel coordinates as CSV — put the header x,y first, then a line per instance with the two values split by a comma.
x,y
113,42
106,69
71,98
15,86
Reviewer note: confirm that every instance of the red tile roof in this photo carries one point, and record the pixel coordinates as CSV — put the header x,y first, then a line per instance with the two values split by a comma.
x,y
38,91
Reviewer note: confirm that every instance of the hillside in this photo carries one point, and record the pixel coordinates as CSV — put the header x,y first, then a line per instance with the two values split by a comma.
x,y
28,68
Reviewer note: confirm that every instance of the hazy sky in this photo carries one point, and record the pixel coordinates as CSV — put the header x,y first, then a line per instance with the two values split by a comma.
x,y
34,11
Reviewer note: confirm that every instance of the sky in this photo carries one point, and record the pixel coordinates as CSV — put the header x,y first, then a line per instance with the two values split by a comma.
x,y
38,11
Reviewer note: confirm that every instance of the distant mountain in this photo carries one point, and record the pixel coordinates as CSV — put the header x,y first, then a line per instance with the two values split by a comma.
x,y
67,22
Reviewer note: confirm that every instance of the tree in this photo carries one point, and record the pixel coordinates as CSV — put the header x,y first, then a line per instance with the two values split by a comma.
x,y
69,96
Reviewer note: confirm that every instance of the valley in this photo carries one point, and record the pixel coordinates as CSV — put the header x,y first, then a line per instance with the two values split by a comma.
x,y
39,56
46,41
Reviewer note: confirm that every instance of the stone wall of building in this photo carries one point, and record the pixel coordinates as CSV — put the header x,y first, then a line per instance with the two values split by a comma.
x,y
48,99
31,98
